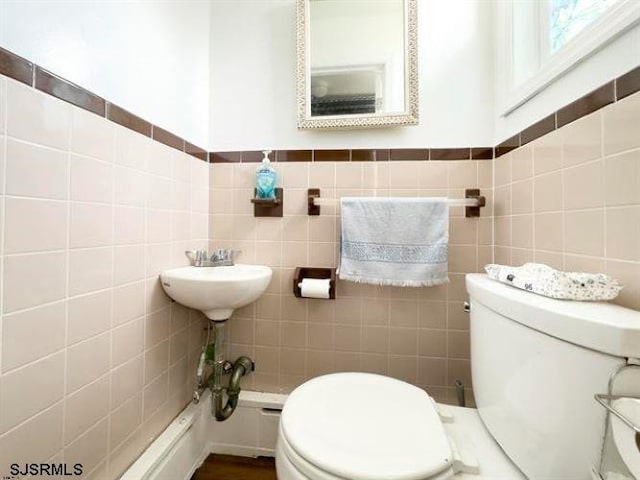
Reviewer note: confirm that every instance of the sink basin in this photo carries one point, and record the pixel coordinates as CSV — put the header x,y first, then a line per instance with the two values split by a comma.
x,y
216,291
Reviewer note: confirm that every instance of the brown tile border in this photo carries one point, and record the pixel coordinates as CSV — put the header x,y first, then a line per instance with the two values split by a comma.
x,y
24,71
628,84
168,138
129,120
609,93
356,155
225,157
482,153
331,155
399,154
197,152
363,155
588,104
294,155
450,154
538,129
508,145
383,155
69,92
256,156
16,67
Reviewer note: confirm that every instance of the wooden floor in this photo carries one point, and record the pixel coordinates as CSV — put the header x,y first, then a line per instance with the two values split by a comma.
x,y
229,467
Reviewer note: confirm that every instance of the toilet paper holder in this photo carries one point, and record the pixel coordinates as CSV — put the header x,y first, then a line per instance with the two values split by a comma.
x,y
606,400
317,273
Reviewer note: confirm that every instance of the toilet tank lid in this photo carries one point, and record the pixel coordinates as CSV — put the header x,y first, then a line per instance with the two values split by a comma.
x,y
366,426
600,326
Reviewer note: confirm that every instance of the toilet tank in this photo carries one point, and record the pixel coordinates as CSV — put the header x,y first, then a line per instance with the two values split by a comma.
x,y
536,364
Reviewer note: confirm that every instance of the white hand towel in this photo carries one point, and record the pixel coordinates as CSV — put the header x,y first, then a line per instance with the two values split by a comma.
x,y
402,242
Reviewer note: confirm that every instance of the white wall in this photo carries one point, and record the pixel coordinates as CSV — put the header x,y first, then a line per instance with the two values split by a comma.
x,y
150,57
613,60
253,104
153,58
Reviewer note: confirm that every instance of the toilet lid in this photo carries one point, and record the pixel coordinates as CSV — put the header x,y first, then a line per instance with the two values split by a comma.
x,y
365,426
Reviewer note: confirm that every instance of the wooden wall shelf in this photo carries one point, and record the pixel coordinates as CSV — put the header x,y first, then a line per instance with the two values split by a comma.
x,y
266,207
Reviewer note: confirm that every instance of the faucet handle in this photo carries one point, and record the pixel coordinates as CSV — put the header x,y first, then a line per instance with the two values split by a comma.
x,y
224,255
218,254
196,257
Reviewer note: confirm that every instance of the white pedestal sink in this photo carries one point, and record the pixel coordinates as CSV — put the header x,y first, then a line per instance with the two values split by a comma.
x,y
216,291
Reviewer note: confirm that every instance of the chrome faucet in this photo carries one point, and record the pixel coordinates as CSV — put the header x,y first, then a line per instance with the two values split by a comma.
x,y
197,258
221,257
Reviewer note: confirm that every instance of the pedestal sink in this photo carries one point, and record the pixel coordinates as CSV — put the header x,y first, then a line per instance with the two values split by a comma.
x,y
216,291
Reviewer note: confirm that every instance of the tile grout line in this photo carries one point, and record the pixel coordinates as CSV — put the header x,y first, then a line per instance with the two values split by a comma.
x,y
602,161
112,297
67,283
3,122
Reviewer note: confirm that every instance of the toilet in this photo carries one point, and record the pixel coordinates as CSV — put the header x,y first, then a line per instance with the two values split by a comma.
x,y
409,439
536,365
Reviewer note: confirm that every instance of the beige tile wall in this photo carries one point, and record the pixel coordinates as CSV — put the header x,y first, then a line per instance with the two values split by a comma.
x,y
571,199
418,335
94,361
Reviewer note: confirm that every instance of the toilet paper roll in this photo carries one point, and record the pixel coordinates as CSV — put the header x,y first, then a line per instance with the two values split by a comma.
x,y
624,437
315,287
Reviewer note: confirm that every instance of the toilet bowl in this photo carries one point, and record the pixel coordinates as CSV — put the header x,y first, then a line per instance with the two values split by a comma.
x,y
536,365
371,427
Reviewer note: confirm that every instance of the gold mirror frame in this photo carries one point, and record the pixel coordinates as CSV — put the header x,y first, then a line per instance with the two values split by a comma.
x,y
411,115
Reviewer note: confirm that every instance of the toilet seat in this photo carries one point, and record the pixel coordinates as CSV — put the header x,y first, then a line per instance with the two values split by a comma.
x,y
364,427
291,466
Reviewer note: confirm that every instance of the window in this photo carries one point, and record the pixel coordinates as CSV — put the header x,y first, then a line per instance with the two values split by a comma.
x,y
544,39
567,18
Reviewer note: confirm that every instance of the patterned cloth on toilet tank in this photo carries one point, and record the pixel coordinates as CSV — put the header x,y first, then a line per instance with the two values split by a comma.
x,y
546,281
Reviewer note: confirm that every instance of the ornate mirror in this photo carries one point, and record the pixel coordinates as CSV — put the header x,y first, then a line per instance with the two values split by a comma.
x,y
357,63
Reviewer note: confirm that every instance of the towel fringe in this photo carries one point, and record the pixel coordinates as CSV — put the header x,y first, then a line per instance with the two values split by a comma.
x,y
386,282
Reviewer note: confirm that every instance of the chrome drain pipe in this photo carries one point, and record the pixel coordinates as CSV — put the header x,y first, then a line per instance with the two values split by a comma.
x,y
241,367
213,355
201,382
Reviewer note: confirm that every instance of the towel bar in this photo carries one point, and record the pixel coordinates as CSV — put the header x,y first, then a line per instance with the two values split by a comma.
x,y
473,201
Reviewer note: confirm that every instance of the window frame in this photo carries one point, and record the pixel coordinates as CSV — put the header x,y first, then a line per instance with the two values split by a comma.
x,y
615,21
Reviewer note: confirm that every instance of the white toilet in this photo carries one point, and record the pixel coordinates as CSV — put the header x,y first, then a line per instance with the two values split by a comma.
x,y
536,364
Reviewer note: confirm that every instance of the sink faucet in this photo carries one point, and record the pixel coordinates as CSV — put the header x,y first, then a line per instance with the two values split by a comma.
x,y
221,257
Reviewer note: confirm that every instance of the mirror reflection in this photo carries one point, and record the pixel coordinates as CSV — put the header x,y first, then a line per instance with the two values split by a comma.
x,y
357,64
